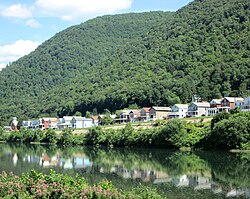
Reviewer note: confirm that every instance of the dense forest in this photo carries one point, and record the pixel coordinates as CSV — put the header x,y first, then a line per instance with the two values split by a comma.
x,y
111,62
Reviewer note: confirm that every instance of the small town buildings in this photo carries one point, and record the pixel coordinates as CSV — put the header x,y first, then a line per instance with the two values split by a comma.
x,y
26,124
35,124
134,116
49,123
95,120
77,122
159,112
88,122
246,104
230,101
215,103
7,128
178,111
65,122
145,113
198,109
123,117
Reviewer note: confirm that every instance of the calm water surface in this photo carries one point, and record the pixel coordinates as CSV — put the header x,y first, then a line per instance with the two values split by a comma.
x,y
176,174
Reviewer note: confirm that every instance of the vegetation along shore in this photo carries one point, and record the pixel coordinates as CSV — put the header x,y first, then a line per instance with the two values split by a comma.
x,y
225,131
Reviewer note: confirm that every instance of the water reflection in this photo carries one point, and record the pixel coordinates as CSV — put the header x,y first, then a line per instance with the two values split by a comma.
x,y
196,175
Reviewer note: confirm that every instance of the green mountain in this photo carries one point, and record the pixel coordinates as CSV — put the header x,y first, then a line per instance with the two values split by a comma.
x,y
146,58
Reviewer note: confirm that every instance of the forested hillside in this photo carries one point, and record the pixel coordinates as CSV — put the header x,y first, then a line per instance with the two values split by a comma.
x,y
149,58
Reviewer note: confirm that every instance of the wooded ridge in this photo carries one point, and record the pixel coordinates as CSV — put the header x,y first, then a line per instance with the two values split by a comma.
x,y
111,62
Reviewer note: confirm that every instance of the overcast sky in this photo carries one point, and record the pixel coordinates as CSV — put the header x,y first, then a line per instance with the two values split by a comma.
x,y
27,23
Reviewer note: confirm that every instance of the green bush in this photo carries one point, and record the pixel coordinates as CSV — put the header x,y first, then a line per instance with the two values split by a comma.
x,y
38,185
231,133
50,137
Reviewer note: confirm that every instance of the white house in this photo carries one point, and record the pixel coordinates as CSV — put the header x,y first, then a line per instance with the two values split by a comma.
x,y
128,116
65,122
178,111
198,109
88,122
246,104
77,122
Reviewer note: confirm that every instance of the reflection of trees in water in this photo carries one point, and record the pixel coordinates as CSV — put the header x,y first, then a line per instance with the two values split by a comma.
x,y
229,169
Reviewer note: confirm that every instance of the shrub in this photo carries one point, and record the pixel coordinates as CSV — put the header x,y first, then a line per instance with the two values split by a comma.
x,y
50,137
38,185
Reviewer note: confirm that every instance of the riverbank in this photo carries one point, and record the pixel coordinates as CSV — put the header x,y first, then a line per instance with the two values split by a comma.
x,y
225,131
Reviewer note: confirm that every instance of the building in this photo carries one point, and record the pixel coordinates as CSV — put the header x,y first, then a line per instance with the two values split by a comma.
x,y
77,122
65,122
230,102
198,109
134,116
178,111
49,123
159,113
246,104
26,124
88,122
145,114
215,103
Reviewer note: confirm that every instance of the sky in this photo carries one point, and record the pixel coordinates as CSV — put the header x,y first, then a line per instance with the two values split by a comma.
x,y
25,24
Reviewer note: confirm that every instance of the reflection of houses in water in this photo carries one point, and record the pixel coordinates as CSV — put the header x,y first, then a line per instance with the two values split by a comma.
x,y
80,162
200,182
75,162
215,188
234,192
230,192
15,158
182,181
247,192
162,177
31,159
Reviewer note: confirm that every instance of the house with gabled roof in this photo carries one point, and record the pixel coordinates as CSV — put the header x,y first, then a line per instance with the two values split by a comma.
x,y
198,109
145,113
230,102
178,111
159,112
48,122
77,122
215,103
65,122
88,122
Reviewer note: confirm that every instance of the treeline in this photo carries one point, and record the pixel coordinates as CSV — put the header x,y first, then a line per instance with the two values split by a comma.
x,y
226,131
151,58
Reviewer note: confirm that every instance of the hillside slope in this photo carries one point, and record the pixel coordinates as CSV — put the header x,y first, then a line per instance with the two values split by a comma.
x,y
148,58
64,63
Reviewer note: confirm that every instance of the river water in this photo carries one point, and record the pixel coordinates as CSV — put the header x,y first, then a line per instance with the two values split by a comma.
x,y
174,173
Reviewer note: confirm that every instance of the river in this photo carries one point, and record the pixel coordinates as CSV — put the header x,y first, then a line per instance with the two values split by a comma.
x,y
174,173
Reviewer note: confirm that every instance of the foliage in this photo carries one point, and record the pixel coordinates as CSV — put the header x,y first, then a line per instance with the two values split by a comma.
x,y
38,185
232,133
112,62
219,117
50,136
106,120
